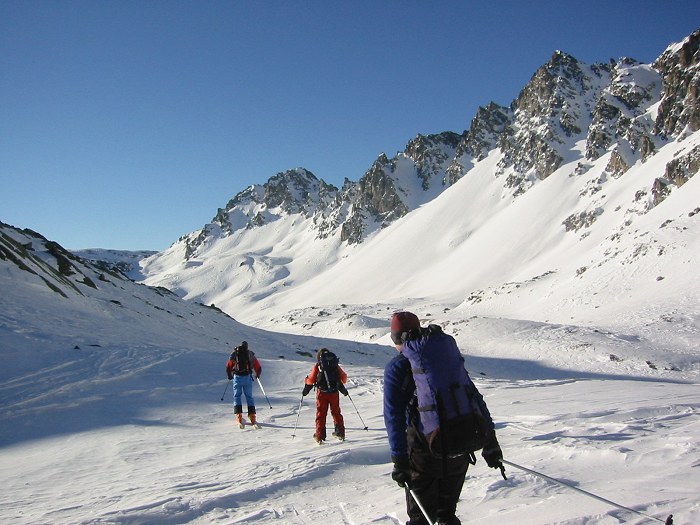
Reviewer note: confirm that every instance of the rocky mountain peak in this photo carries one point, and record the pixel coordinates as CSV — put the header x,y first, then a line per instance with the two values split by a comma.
x,y
373,201
489,124
680,69
610,107
290,190
551,112
430,153
295,191
393,187
551,87
620,116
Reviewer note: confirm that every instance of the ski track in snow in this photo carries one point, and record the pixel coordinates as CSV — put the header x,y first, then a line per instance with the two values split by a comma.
x,y
193,466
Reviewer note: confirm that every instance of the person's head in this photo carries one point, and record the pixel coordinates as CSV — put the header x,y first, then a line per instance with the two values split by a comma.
x,y
404,327
244,345
320,353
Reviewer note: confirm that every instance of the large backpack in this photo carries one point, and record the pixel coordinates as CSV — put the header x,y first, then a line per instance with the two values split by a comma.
x,y
328,379
241,360
450,417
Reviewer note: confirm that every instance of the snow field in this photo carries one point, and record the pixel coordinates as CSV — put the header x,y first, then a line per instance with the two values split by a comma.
x,y
111,411
154,444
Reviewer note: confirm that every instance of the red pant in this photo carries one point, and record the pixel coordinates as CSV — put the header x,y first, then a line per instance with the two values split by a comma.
x,y
323,401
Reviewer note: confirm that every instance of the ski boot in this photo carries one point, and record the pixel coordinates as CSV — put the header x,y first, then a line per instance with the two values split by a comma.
x,y
339,433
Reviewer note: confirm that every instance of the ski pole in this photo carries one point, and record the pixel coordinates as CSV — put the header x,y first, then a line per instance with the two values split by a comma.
x,y
225,389
358,412
297,421
669,520
263,391
420,505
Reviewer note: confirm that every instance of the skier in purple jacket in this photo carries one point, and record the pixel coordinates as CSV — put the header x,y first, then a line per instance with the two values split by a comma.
x,y
435,479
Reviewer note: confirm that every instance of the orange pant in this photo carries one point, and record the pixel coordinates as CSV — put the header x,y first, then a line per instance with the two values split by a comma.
x,y
323,401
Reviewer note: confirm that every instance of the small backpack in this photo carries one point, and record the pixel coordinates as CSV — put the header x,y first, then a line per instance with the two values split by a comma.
x,y
450,416
328,377
241,361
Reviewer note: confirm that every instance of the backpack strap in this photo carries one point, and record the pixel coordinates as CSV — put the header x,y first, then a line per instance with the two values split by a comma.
x,y
328,381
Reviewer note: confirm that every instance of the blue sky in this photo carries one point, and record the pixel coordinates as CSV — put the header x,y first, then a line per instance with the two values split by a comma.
x,y
126,124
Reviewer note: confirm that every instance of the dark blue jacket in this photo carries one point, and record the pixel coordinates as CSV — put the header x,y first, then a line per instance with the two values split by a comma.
x,y
400,405
399,392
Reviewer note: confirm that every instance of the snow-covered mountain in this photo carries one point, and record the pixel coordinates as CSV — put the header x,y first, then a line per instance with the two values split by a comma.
x,y
575,202
50,294
556,240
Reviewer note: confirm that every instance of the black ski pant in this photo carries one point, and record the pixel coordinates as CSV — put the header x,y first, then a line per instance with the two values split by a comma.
x,y
437,483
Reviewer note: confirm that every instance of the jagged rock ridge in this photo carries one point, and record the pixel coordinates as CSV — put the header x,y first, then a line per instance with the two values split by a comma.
x,y
571,119
607,105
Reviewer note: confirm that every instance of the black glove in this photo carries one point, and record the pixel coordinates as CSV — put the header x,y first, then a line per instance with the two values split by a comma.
x,y
342,389
230,378
307,389
402,471
492,453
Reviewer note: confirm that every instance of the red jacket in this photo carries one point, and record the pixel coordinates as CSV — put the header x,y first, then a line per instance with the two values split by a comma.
x,y
251,357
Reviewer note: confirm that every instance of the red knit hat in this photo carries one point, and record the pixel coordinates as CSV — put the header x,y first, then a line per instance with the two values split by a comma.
x,y
404,326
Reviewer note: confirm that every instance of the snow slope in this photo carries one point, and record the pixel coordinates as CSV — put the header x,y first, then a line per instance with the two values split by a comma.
x,y
630,270
111,412
139,435
580,245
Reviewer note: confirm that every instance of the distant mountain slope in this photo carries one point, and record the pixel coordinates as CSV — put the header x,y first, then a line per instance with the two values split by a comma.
x,y
43,282
577,197
123,261
54,303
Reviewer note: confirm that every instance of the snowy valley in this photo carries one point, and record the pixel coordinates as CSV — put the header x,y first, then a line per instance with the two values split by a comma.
x,y
558,240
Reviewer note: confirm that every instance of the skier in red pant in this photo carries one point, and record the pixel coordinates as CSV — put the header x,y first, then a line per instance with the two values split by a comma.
x,y
328,378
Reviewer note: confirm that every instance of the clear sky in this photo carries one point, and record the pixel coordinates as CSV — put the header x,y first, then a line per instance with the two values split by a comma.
x,y
126,124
